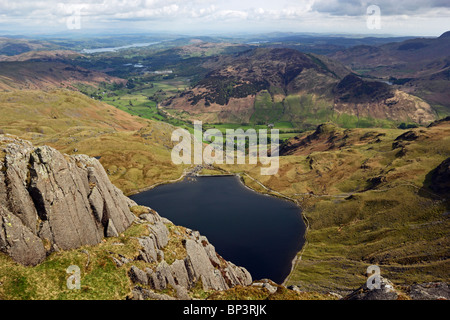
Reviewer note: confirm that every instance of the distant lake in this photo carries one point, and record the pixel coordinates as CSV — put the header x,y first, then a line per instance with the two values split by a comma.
x,y
255,231
135,45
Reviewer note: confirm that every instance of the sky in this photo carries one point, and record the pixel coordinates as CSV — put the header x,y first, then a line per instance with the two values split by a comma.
x,y
202,17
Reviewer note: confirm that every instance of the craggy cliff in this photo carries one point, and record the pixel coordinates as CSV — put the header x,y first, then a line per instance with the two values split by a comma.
x,y
51,202
201,263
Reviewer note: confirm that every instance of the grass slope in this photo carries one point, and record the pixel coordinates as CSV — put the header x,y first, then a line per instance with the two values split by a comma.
x,y
365,203
134,151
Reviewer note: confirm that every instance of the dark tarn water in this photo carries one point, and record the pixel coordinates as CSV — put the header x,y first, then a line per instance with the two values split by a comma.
x,y
259,232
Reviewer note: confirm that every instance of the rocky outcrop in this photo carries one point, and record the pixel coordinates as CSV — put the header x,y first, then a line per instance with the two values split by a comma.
x,y
387,291
439,122
430,291
50,201
363,98
201,263
408,136
327,136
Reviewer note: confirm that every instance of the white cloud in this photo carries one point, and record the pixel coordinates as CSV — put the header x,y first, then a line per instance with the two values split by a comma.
x,y
298,15
388,7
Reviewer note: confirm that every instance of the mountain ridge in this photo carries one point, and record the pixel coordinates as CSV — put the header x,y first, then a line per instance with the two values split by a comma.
x,y
418,66
47,70
260,85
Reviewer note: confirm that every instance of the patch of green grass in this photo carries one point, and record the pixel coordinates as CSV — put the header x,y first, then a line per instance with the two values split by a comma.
x,y
100,279
283,125
266,111
259,293
351,121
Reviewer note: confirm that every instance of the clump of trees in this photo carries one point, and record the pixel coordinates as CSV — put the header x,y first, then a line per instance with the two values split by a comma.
x,y
407,126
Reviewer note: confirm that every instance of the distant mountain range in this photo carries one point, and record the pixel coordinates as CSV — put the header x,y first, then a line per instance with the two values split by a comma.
x,y
47,69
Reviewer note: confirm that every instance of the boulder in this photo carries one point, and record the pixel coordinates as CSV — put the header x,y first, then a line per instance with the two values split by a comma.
x,y
18,241
180,274
199,267
58,200
148,252
162,277
161,233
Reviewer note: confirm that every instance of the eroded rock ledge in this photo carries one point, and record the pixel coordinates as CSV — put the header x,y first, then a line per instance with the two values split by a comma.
x,y
200,264
50,201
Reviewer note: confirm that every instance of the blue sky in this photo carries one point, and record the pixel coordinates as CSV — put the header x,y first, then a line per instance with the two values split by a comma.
x,y
413,17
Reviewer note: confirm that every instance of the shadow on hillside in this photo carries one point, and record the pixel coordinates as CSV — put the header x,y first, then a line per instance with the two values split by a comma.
x,y
431,191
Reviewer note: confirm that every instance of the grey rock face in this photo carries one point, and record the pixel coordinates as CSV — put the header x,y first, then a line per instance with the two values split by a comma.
x,y
180,274
50,198
440,178
199,267
111,230
430,291
50,202
18,241
386,292
422,291
161,234
202,263
148,252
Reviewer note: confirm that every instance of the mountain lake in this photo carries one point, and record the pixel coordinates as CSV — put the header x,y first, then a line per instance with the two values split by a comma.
x,y
259,232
